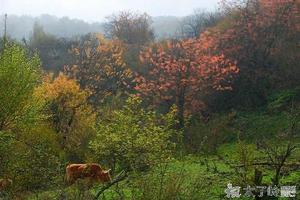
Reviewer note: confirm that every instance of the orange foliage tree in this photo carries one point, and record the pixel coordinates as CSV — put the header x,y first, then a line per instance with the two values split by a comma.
x,y
100,68
183,71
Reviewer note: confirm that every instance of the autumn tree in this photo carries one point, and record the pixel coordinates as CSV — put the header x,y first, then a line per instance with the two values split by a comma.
x,y
262,36
259,28
100,68
70,114
181,72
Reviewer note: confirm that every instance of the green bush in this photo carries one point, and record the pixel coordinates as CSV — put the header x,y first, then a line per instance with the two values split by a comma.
x,y
281,100
206,137
19,74
134,138
35,162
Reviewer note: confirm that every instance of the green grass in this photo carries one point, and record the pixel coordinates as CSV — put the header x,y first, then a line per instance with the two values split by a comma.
x,y
261,125
211,184
204,175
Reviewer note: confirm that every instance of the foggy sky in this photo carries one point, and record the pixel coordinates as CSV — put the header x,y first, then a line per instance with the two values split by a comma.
x,y
97,10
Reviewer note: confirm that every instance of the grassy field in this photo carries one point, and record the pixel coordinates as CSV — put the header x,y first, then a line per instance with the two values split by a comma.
x,y
191,177
200,175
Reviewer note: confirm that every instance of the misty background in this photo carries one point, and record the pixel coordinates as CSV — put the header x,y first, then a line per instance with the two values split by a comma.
x,y
71,18
19,27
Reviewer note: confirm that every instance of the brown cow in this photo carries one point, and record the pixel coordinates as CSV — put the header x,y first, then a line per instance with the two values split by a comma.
x,y
93,172
5,183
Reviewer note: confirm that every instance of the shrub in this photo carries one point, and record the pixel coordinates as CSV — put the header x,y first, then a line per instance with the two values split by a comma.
x,y
35,162
19,74
134,138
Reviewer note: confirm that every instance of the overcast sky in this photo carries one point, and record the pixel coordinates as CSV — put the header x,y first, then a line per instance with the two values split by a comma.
x,y
96,10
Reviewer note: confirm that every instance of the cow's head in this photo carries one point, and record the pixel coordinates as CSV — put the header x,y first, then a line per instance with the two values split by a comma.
x,y
104,176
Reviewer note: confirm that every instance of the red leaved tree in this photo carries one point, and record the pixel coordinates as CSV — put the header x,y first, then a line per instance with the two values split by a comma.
x,y
256,30
262,36
181,72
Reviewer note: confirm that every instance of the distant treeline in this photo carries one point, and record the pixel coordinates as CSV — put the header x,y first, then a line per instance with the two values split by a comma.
x,y
19,27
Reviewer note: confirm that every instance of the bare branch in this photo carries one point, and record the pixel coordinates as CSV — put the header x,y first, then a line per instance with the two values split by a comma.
x,y
121,176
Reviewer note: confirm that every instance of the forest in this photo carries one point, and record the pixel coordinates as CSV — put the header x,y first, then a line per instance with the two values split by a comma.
x,y
210,112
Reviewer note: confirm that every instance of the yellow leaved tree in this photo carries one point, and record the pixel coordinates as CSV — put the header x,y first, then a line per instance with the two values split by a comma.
x,y
70,114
